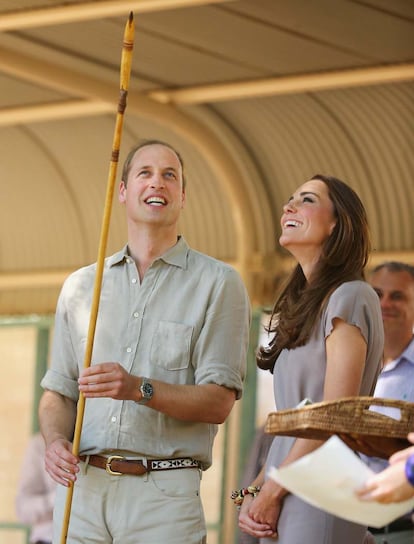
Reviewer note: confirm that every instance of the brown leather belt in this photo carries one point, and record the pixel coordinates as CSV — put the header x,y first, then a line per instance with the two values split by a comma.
x,y
118,465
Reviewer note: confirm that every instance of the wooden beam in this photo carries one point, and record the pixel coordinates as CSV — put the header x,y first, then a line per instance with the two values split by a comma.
x,y
336,79
84,11
100,98
52,111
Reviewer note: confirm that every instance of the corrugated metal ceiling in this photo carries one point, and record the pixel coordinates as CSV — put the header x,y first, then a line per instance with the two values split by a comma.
x,y
236,99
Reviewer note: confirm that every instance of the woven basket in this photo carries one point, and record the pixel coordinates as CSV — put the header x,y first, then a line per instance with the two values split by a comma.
x,y
349,418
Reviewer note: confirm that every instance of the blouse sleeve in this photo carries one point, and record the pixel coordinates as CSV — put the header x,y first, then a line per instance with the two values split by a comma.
x,y
355,303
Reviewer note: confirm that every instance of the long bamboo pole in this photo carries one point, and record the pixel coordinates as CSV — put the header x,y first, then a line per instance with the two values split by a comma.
x,y
125,72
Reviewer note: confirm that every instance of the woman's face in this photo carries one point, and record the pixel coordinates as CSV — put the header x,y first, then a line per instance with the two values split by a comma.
x,y
308,218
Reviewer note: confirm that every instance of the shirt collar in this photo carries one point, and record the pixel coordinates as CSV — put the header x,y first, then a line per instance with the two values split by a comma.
x,y
406,355
118,257
175,255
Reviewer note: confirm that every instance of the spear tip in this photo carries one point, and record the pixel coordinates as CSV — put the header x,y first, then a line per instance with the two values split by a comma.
x,y
129,32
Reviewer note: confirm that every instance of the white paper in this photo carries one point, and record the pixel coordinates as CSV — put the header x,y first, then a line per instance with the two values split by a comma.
x,y
328,477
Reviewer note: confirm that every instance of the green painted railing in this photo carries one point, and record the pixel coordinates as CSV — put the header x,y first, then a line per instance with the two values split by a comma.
x,y
11,526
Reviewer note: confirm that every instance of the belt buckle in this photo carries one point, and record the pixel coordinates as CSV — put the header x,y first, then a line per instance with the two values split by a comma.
x,y
108,465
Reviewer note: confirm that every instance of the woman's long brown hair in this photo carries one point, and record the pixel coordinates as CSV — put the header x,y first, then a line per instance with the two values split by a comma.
x,y
344,257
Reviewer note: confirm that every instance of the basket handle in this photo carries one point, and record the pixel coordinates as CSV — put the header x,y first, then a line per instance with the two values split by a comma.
x,y
406,408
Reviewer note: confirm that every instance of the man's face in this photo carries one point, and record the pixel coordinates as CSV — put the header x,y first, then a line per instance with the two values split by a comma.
x,y
396,294
154,191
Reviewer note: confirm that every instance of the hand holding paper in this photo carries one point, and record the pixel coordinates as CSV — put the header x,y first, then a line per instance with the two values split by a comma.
x,y
392,485
329,477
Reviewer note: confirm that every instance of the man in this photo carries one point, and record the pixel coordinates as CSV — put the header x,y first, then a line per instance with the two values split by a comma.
x,y
394,284
167,365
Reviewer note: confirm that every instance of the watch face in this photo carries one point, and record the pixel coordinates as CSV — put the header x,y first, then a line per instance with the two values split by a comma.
x,y
147,390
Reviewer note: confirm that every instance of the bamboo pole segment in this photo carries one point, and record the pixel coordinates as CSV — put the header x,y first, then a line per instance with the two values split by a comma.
x,y
125,71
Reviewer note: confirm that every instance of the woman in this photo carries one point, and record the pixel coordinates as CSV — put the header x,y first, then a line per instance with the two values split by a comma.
x,y
327,343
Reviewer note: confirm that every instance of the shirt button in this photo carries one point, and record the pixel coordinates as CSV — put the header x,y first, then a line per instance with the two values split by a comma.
x,y
128,260
134,280
113,419
136,314
129,350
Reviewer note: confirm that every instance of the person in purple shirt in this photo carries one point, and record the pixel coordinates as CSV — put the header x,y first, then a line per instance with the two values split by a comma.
x,y
394,283
395,483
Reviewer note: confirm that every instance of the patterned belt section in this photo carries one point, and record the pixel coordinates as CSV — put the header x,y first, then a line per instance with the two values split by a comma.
x,y
117,464
171,464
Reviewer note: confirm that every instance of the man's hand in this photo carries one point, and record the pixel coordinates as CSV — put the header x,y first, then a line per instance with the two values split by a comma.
x,y
60,463
109,380
57,415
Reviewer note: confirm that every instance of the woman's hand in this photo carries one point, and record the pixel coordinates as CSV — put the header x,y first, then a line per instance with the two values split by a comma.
x,y
259,515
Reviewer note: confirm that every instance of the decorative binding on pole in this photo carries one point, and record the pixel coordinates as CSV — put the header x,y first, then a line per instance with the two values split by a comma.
x,y
122,100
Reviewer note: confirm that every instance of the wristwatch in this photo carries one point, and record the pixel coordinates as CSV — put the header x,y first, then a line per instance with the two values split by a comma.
x,y
147,391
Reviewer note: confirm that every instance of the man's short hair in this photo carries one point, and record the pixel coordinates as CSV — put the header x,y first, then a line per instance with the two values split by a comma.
x,y
395,266
145,143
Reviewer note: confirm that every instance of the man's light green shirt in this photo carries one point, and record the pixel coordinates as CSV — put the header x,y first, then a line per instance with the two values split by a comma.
x,y
187,322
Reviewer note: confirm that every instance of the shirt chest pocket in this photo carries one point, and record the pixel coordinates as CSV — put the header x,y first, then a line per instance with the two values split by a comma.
x,y
171,344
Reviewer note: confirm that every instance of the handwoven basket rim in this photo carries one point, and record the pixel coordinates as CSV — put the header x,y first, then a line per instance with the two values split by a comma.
x,y
346,415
